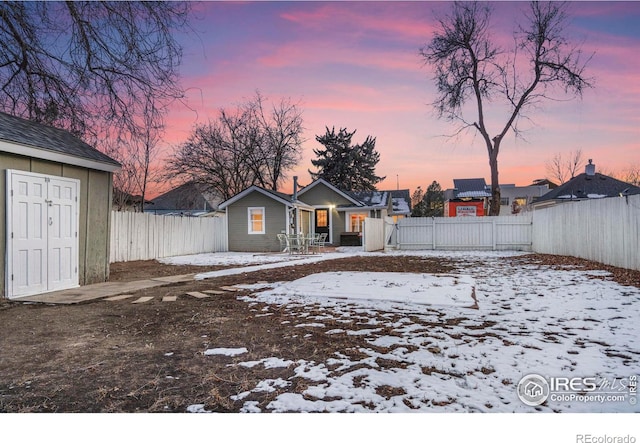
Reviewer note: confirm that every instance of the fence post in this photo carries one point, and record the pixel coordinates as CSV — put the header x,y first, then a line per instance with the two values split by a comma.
x,y
494,234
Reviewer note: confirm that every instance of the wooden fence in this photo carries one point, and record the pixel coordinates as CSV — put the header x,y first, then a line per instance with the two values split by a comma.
x,y
605,230
466,233
140,236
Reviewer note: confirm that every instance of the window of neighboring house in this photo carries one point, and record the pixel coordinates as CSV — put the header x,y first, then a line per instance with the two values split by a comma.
x,y
356,222
256,220
504,201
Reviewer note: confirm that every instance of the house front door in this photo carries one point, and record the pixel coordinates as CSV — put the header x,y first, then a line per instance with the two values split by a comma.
x,y
322,221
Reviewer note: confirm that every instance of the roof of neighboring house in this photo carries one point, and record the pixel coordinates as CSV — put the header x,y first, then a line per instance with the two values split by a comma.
x,y
470,187
371,198
586,186
544,181
186,197
401,201
50,143
128,199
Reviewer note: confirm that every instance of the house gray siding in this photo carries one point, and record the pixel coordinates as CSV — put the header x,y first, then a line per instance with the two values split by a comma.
x,y
321,195
238,225
94,206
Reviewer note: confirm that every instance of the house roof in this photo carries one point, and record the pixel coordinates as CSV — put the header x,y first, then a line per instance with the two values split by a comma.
x,y
329,185
401,202
371,198
586,186
188,196
470,188
25,137
285,199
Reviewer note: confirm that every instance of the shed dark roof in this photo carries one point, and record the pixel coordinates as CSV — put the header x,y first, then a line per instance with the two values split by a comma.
x,y
25,132
586,186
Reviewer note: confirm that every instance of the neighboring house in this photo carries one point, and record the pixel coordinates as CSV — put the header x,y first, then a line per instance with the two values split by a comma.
x,y
256,215
471,197
189,199
400,204
55,206
123,201
468,198
586,186
515,199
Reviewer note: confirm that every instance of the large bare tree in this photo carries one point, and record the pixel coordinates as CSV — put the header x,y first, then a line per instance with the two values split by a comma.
x,y
106,71
248,145
474,75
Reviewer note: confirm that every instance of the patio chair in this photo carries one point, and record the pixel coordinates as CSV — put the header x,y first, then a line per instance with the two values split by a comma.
x,y
321,241
295,244
284,245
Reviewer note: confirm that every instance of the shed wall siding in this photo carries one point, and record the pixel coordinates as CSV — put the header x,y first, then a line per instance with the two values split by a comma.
x,y
275,223
94,206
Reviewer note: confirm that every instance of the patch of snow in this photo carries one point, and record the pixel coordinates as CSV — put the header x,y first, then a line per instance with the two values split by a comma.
x,y
230,352
392,287
199,408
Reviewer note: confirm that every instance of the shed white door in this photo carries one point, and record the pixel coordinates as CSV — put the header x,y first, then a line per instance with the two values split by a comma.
x,y
42,233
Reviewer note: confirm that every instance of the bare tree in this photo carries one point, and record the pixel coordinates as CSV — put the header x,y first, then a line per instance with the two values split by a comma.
x,y
632,174
243,147
562,169
470,68
106,71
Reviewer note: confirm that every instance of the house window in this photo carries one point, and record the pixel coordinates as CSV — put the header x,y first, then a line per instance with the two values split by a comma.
x,y
356,222
256,220
504,201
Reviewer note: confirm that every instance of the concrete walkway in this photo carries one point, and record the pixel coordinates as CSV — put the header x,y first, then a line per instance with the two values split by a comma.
x,y
101,290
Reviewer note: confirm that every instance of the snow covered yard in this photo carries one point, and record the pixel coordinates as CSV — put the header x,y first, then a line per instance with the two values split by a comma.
x,y
459,342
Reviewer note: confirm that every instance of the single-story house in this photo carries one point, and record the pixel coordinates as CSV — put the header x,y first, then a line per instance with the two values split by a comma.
x,y
55,207
256,215
588,185
188,199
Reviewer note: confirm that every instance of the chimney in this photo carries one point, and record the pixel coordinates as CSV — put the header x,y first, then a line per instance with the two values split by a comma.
x,y
294,197
590,169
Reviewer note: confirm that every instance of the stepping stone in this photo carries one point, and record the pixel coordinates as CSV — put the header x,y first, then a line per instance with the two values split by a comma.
x,y
230,288
119,297
170,298
197,294
213,291
142,300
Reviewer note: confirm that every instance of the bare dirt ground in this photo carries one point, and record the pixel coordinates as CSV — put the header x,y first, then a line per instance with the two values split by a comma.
x,y
114,356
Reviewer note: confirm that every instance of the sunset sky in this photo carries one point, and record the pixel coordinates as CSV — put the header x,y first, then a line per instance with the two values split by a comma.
x,y
356,65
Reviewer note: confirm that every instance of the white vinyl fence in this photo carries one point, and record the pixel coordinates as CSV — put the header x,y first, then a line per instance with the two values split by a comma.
x,y
141,236
604,230
466,233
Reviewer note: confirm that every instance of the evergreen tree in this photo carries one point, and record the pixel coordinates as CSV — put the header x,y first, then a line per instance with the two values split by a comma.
x,y
434,200
418,204
350,168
